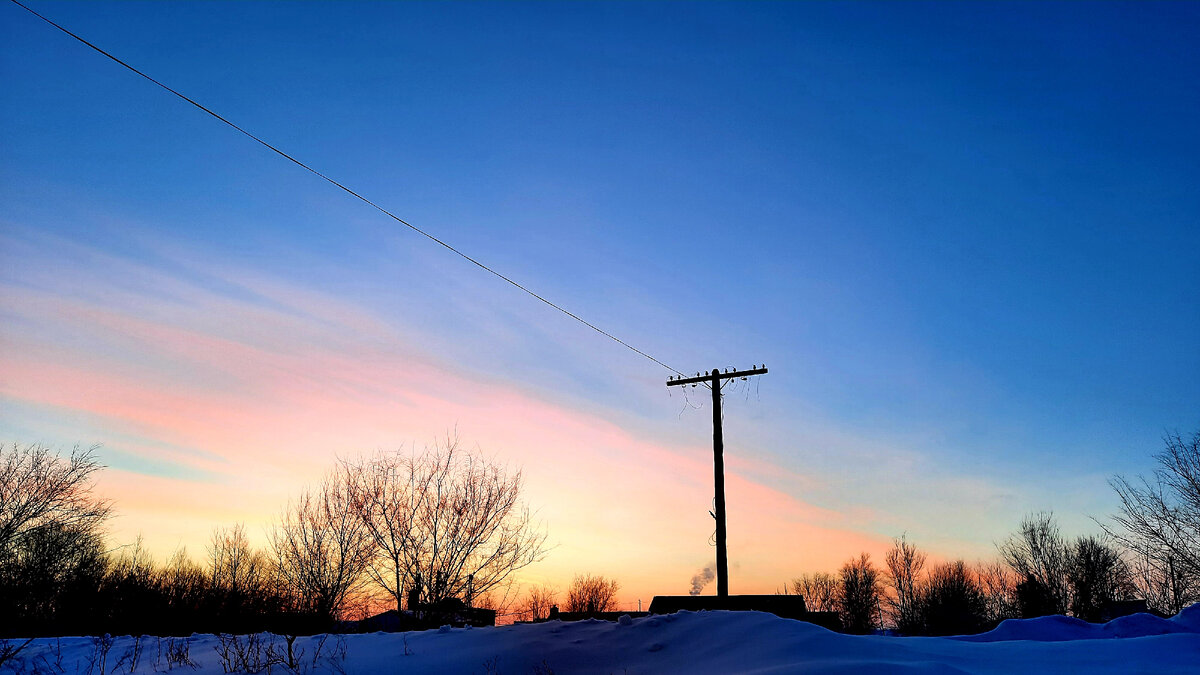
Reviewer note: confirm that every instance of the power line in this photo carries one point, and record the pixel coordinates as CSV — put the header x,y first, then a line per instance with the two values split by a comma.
x,y
352,193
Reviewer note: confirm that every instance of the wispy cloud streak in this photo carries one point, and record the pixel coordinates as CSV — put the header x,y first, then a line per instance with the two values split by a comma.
x,y
252,387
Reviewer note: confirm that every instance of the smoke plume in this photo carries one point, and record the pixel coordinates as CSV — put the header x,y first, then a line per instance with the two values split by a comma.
x,y
702,578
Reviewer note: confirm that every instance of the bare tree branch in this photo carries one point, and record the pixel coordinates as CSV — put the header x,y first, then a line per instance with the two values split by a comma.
x,y
322,547
446,522
1039,557
39,489
905,563
1159,521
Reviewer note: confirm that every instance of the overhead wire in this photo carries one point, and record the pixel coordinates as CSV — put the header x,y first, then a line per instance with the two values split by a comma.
x,y
349,191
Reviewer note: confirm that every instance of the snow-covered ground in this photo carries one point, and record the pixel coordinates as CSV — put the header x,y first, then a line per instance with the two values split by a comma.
x,y
687,642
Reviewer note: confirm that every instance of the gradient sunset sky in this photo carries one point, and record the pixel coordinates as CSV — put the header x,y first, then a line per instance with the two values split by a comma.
x,y
965,239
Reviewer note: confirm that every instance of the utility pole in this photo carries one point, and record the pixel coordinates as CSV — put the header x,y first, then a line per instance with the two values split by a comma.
x,y
713,380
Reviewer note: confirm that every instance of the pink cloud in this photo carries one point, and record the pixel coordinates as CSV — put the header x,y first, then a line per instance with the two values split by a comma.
x,y
270,393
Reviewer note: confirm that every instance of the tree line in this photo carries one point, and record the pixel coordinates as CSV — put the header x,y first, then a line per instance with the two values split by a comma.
x,y
414,530
411,529
1149,551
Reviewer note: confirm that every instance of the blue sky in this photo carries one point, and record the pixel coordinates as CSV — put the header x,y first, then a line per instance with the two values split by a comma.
x,y
962,236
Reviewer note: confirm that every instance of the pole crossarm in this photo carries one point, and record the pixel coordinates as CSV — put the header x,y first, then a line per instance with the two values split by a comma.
x,y
708,377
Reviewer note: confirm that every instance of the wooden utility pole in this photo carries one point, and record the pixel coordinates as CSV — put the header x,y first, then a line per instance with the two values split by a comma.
x,y
713,380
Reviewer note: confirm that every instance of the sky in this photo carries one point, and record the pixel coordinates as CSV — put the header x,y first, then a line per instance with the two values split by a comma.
x,y
962,237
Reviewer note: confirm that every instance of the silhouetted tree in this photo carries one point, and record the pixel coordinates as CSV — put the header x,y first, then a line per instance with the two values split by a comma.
x,y
1035,599
952,602
234,567
1098,576
905,563
592,593
386,489
130,590
820,591
1160,522
1038,555
38,489
322,547
245,591
446,517
56,577
859,595
185,590
51,553
50,581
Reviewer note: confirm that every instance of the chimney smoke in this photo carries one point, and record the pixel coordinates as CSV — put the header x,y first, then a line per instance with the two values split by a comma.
x,y
702,578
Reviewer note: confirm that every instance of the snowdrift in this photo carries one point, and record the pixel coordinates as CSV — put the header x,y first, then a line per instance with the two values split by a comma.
x,y
1063,628
687,642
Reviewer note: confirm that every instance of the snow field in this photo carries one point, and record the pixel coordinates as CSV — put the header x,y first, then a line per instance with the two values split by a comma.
x,y
687,642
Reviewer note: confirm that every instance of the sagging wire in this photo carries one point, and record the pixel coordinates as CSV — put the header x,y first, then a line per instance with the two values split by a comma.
x,y
687,403
420,231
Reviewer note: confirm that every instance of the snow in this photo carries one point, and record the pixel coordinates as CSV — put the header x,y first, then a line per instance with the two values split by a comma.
x,y
1063,628
693,642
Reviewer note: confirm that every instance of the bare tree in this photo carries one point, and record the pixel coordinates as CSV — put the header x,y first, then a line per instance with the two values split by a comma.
x,y
38,488
1160,522
51,541
233,565
1160,583
134,563
1098,576
447,522
322,547
820,591
385,492
184,583
243,582
592,593
537,602
859,595
1038,555
905,563
999,586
